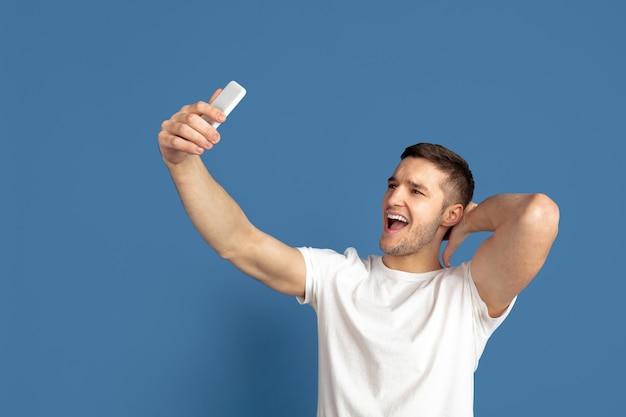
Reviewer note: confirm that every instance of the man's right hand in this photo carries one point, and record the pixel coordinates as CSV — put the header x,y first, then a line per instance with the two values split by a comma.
x,y
187,133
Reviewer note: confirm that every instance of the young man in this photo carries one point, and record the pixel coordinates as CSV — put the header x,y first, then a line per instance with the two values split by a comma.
x,y
399,335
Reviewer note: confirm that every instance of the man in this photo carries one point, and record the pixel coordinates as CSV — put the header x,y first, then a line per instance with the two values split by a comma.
x,y
399,335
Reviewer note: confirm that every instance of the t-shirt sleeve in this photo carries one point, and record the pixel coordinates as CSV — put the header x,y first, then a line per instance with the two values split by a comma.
x,y
321,264
485,324
309,285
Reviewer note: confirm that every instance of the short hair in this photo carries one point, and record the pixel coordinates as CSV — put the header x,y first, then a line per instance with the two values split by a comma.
x,y
459,186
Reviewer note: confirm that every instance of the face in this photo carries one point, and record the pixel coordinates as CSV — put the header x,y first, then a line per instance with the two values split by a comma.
x,y
412,208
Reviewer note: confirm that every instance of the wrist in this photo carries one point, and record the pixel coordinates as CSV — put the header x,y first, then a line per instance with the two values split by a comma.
x,y
189,167
467,223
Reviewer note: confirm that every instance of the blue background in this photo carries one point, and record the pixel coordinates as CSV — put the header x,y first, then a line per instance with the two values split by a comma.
x,y
112,305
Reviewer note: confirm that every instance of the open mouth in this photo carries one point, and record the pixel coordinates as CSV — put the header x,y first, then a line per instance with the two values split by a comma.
x,y
396,222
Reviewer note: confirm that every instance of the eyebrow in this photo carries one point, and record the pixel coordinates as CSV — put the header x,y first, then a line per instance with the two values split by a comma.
x,y
412,183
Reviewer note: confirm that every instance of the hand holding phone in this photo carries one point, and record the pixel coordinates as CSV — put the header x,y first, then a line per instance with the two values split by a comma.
x,y
226,101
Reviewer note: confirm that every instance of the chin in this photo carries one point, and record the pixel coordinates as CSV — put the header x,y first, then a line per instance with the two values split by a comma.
x,y
384,246
396,250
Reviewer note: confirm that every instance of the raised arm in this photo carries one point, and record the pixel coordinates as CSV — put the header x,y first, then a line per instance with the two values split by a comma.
x,y
216,216
524,227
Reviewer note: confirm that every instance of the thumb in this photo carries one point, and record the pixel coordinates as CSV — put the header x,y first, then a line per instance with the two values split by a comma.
x,y
215,94
458,233
450,248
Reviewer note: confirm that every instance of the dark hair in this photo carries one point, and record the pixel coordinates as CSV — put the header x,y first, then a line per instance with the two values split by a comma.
x,y
459,187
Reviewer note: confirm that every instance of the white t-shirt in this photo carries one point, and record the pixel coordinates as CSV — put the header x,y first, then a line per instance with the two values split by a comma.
x,y
393,343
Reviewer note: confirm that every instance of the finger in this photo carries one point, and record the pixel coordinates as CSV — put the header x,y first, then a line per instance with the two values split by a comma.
x,y
203,108
214,96
446,256
169,142
198,124
186,131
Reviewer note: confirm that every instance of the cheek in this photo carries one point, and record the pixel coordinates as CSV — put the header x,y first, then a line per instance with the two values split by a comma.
x,y
423,215
384,200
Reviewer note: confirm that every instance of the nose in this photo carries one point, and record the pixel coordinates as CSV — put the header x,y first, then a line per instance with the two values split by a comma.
x,y
395,196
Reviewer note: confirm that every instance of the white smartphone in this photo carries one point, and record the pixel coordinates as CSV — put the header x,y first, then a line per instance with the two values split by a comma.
x,y
226,101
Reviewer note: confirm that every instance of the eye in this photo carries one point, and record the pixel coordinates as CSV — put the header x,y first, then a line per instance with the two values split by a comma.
x,y
391,186
416,191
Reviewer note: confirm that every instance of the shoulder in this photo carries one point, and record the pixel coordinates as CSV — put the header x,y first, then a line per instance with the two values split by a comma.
x,y
461,271
456,275
327,258
350,254
326,267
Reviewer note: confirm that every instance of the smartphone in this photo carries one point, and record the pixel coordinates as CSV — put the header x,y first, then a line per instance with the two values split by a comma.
x,y
226,101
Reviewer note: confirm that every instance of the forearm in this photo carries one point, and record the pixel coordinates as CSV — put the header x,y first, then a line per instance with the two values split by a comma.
x,y
515,213
214,213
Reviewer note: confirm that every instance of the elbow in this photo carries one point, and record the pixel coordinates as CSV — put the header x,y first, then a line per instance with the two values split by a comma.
x,y
230,254
237,243
224,249
543,214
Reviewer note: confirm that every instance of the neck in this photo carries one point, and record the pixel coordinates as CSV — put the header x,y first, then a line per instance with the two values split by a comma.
x,y
416,263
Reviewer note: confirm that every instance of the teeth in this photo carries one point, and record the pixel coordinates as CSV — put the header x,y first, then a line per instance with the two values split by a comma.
x,y
397,217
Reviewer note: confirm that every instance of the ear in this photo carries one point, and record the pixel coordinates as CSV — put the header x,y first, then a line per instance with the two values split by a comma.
x,y
452,215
